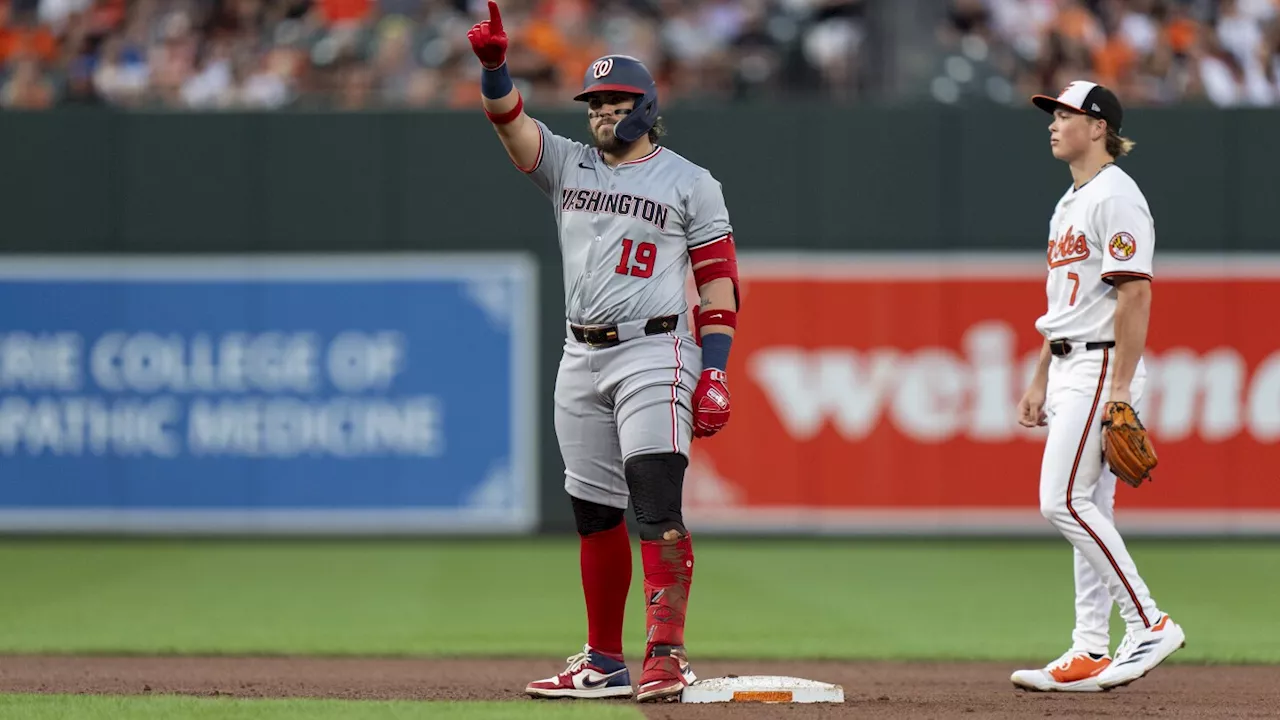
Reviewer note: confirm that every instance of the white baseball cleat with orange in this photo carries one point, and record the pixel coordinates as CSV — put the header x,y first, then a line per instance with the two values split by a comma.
x,y
1141,651
1075,671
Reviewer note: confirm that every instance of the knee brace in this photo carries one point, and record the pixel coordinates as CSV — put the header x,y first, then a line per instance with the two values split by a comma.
x,y
593,517
656,483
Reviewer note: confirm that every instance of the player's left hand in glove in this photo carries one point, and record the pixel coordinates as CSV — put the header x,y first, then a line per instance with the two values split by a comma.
x,y
489,39
1125,444
710,403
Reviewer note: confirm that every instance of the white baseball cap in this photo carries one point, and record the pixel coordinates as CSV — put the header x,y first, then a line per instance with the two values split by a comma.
x,y
1085,97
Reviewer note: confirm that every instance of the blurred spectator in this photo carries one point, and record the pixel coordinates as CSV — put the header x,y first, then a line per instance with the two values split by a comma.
x,y
121,75
22,36
27,88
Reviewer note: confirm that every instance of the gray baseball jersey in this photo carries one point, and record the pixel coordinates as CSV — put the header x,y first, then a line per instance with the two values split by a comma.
x,y
625,236
625,231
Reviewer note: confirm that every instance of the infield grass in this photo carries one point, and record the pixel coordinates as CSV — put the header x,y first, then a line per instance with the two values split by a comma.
x,y
852,599
92,707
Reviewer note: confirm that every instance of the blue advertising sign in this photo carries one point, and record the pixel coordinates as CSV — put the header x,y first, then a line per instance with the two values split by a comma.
x,y
268,394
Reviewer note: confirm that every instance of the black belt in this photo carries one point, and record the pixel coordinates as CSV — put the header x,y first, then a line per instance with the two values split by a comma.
x,y
607,335
1062,347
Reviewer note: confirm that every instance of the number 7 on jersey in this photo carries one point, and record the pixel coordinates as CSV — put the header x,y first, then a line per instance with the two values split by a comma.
x,y
646,253
1075,285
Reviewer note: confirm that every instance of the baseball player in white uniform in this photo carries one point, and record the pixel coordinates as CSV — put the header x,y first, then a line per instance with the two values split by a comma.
x,y
636,383
1100,267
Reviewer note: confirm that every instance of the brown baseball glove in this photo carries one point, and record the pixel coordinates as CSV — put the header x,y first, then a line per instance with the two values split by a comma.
x,y
1125,444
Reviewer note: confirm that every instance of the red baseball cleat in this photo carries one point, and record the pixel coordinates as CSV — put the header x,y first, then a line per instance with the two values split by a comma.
x,y
589,675
666,674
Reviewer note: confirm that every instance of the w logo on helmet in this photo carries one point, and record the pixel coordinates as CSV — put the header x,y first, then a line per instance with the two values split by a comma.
x,y
601,67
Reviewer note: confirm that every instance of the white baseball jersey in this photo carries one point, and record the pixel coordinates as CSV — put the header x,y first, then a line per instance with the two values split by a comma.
x,y
626,231
1100,230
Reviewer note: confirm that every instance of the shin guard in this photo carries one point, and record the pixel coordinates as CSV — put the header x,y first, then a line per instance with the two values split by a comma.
x,y
668,575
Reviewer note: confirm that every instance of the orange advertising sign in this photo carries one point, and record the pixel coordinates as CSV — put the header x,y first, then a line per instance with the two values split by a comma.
x,y
879,394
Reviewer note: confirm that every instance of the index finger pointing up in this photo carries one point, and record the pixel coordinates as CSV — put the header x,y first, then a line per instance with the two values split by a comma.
x,y
495,20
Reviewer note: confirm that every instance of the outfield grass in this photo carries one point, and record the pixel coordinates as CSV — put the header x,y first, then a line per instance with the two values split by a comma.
x,y
1002,600
90,707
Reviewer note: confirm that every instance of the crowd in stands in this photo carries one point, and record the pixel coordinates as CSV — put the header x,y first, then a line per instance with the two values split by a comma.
x,y
1151,52
357,54
368,54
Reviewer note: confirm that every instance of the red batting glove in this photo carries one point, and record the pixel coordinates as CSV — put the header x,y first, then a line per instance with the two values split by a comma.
x,y
710,403
489,40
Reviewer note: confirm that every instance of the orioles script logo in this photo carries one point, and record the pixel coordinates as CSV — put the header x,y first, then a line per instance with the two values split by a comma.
x,y
1071,247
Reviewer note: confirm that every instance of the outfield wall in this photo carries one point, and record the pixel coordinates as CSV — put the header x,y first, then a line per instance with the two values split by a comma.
x,y
864,405
873,394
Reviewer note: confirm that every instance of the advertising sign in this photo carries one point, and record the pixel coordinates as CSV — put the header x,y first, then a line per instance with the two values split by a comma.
x,y
264,394
878,394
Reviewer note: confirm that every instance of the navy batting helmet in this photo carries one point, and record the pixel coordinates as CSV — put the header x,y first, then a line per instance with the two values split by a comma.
x,y
623,73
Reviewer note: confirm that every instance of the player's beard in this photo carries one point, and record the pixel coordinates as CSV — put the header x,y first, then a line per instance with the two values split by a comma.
x,y
607,142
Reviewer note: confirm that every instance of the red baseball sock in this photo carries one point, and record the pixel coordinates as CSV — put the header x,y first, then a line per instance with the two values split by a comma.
x,y
606,580
668,575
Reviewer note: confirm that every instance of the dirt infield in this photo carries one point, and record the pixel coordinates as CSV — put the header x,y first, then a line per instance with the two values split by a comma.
x,y
883,690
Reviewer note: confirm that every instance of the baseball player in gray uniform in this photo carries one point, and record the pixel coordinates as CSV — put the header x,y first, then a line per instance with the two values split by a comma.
x,y
636,382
